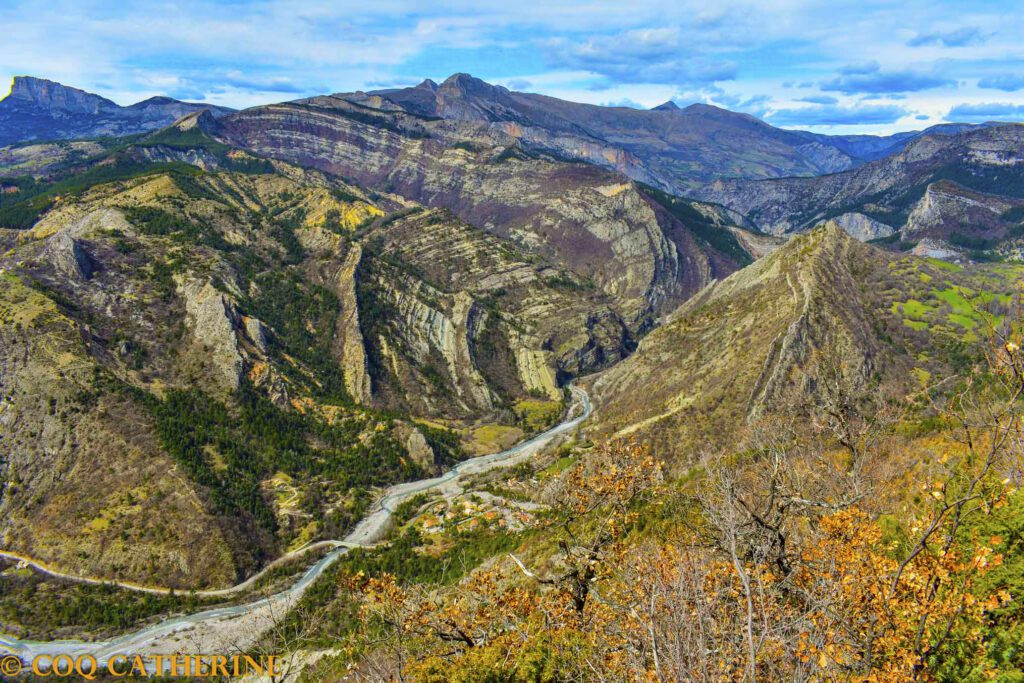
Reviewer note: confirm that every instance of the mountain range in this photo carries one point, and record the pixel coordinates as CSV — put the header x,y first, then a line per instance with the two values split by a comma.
x,y
672,147
745,399
666,145
772,180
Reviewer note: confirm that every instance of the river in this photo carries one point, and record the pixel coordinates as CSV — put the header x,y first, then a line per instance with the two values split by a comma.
x,y
230,630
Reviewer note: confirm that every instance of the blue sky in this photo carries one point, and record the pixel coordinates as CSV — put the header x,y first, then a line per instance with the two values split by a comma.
x,y
836,67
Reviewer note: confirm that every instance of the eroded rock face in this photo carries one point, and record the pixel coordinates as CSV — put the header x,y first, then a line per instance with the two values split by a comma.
x,y
862,227
58,98
68,257
199,158
426,347
464,323
213,321
348,345
535,372
930,248
257,333
947,208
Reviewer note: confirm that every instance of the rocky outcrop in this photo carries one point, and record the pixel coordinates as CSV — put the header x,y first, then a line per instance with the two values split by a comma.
x,y
200,158
535,372
948,208
57,98
348,346
929,248
473,389
257,333
427,347
212,320
68,257
862,227
417,447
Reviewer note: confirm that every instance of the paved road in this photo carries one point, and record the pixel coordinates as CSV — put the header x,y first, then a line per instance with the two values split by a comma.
x,y
227,630
44,568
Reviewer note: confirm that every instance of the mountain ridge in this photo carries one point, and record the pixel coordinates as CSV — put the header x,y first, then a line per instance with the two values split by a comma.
x,y
670,152
40,109
758,343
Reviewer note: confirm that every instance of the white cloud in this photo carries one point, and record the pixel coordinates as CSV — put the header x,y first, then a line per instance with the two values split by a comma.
x,y
745,54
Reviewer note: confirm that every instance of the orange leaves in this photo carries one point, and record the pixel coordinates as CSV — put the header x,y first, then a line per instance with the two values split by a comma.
x,y
899,626
614,475
847,604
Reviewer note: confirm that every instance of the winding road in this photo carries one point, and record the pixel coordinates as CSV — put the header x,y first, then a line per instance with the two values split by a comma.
x,y
234,629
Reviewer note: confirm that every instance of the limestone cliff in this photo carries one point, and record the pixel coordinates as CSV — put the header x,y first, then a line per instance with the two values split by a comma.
x,y
212,320
349,338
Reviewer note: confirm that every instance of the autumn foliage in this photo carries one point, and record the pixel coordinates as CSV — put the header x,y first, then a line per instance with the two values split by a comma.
x,y
785,564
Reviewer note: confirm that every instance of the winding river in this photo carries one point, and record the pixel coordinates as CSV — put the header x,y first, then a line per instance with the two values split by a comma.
x,y
226,630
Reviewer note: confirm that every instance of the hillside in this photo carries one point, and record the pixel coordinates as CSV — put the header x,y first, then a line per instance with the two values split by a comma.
x,y
768,339
271,341
593,221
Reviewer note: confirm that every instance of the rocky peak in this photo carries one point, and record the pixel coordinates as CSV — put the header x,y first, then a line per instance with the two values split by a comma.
x,y
55,97
202,120
462,96
465,84
666,106
155,101
428,84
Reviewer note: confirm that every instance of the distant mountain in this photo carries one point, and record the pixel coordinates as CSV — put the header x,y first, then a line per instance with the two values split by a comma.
x,y
871,147
965,188
676,149
672,148
37,109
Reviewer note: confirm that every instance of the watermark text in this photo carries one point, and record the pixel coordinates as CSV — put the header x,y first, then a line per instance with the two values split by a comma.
x,y
89,667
